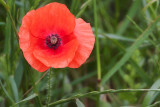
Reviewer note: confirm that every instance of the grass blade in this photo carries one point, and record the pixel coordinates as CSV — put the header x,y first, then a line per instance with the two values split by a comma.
x,y
149,98
26,99
5,91
79,103
131,13
14,88
129,52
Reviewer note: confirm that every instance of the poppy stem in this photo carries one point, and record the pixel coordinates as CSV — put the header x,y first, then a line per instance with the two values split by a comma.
x,y
97,42
49,86
97,51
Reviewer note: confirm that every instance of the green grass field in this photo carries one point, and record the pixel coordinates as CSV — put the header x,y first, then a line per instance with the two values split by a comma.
x,y
123,69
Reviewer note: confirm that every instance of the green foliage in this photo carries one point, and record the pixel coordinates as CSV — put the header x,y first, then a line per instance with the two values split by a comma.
x,y
127,57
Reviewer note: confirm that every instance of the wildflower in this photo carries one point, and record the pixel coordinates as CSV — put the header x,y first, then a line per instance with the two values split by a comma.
x,y
52,37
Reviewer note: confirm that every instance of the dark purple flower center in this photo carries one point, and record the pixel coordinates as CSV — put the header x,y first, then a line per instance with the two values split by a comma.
x,y
53,41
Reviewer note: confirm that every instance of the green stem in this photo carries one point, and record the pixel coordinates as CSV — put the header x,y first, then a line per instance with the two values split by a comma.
x,y
97,51
11,18
100,92
97,41
4,4
49,87
73,5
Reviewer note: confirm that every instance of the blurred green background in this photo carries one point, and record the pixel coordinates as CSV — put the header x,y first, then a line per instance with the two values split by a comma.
x,y
129,45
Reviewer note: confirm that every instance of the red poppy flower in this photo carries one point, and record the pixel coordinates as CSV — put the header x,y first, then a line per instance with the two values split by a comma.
x,y
52,37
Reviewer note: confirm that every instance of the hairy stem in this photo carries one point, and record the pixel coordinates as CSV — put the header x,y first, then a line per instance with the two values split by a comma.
x,y
98,93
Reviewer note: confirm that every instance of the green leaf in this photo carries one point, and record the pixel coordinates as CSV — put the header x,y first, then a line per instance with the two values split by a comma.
x,y
118,37
2,23
104,104
83,78
150,96
19,71
83,8
14,88
26,99
6,93
36,3
79,103
131,13
130,51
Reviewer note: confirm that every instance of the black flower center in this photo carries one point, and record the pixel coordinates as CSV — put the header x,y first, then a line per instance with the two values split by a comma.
x,y
53,41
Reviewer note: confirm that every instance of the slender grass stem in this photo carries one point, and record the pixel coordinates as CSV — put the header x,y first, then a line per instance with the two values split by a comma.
x,y
100,92
97,41
97,50
11,18
35,83
49,87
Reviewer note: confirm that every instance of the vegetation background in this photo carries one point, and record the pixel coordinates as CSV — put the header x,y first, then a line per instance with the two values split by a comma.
x,y
124,64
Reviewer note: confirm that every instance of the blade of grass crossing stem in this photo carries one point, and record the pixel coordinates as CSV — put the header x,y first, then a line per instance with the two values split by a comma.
x,y
6,93
129,52
147,14
131,13
79,103
139,70
14,88
152,41
26,99
150,96
149,4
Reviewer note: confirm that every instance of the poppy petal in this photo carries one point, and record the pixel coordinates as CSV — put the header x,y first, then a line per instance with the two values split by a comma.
x,y
26,45
60,60
36,64
53,18
86,39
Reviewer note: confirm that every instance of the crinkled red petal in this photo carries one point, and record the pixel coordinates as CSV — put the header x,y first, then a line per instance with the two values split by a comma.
x,y
25,42
86,39
58,58
53,18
